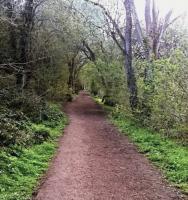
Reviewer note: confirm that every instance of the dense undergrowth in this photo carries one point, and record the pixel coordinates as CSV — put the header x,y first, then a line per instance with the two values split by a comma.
x,y
161,97
28,145
170,156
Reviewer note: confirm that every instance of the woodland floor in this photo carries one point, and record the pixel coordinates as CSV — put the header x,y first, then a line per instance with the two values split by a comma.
x,y
95,162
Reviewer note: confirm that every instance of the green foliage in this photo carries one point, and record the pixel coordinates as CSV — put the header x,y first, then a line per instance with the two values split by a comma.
x,y
165,93
29,104
106,79
52,115
41,136
52,81
21,171
13,128
55,46
168,155
15,123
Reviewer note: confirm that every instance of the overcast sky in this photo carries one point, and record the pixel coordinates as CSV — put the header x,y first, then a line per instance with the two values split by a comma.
x,y
179,7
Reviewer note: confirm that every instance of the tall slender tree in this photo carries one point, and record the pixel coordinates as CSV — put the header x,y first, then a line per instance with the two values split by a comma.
x,y
25,42
126,39
131,79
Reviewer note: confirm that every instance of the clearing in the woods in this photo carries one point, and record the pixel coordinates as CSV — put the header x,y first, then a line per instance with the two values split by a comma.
x,y
95,162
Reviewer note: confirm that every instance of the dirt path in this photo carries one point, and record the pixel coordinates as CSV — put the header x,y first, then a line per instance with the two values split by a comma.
x,y
94,162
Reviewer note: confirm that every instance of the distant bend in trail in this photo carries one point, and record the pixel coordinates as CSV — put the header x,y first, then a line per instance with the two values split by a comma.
x,y
94,162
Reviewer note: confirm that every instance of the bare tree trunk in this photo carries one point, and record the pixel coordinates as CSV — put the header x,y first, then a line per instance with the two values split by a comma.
x,y
148,16
27,17
9,5
131,80
126,39
71,74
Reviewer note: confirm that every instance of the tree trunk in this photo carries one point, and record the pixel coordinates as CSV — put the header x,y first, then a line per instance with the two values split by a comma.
x,y
71,66
9,4
131,79
25,32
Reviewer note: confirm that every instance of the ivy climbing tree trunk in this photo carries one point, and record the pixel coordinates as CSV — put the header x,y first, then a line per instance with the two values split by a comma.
x,y
131,79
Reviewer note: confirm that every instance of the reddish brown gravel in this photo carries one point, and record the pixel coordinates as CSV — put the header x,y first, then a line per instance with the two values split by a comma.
x,y
95,162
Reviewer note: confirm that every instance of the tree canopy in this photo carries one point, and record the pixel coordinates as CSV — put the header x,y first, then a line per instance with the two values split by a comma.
x,y
51,50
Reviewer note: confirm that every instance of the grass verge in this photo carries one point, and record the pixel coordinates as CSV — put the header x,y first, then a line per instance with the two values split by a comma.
x,y
170,157
21,169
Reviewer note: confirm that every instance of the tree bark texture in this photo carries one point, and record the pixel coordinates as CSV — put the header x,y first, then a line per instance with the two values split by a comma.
x,y
131,79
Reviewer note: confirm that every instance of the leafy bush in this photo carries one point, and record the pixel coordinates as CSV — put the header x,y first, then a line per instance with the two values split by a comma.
x,y
32,106
163,97
41,136
109,101
28,103
13,128
52,115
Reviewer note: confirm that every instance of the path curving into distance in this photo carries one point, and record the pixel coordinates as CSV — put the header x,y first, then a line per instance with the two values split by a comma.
x,y
95,162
